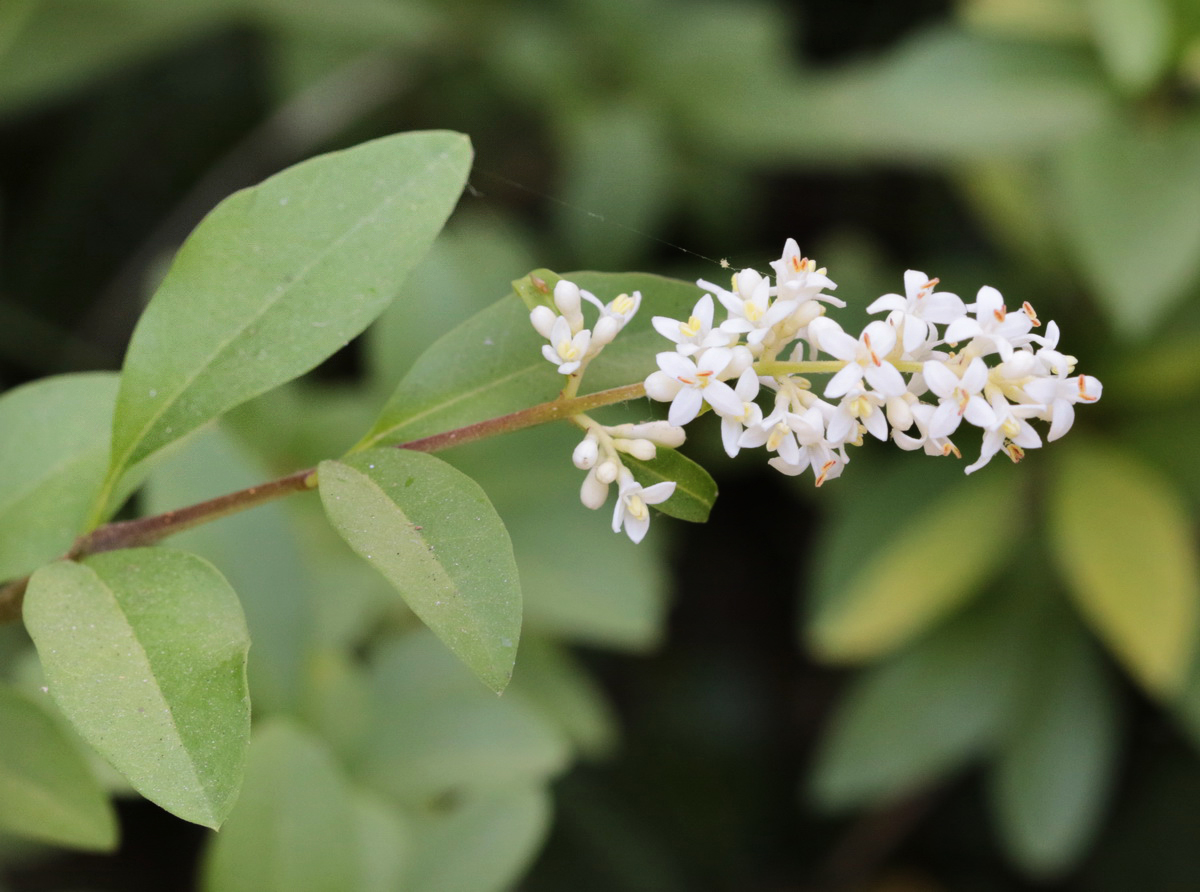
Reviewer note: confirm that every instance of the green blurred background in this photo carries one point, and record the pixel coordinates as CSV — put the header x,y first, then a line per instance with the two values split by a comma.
x,y
907,680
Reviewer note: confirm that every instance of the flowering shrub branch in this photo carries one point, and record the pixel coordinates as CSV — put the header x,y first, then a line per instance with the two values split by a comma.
x,y
977,363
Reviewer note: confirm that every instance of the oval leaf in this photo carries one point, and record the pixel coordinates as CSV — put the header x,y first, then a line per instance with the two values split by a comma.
x,y
54,436
432,739
1122,538
1055,765
295,825
278,277
505,370
1132,191
931,565
431,531
926,711
695,490
47,790
482,842
144,651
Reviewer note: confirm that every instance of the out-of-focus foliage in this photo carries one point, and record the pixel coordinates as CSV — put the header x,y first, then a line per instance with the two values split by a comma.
x,y
1025,699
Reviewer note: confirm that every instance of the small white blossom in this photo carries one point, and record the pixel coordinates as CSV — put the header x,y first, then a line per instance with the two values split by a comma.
x,y
696,333
751,310
688,385
733,425
1060,395
1010,432
993,329
632,509
865,357
566,350
918,308
960,397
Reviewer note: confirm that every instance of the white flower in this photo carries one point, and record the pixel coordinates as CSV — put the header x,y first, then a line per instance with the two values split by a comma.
x,y
632,509
864,357
613,317
960,397
732,425
1048,356
993,328
797,439
688,385
1059,395
797,277
858,406
1010,432
922,413
566,350
751,310
697,333
918,308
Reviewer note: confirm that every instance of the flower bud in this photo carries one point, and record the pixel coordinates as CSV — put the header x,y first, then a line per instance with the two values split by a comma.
x,y
566,298
543,318
661,433
606,471
661,386
899,414
586,453
607,328
593,493
640,448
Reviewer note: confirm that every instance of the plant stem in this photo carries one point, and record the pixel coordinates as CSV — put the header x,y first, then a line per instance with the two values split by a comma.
x,y
148,530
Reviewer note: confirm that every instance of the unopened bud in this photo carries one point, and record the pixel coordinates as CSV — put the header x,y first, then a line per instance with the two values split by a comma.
x,y
606,471
640,448
585,453
543,318
593,493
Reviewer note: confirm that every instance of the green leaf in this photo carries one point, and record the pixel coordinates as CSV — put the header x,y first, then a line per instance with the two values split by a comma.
x,y
929,566
560,686
296,825
1055,766
54,436
1122,538
492,363
695,490
437,732
60,45
1005,98
924,712
144,651
383,843
1135,39
1127,198
480,843
257,552
47,791
278,277
431,531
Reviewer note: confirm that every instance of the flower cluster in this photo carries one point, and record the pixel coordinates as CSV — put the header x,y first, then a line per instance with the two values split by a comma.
x,y
931,363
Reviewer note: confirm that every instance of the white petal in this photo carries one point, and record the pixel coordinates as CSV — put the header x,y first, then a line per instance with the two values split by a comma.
x,y
887,302
659,492
841,383
940,379
914,281
685,406
945,420
979,413
885,378
721,397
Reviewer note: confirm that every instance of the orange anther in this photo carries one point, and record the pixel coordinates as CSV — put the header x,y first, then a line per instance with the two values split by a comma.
x,y
1028,308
